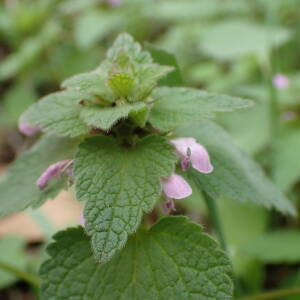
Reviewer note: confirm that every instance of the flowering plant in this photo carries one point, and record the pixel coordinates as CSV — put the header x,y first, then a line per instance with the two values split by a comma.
x,y
130,141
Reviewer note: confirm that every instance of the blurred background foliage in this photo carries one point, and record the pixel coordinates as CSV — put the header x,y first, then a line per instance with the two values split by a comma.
x,y
227,46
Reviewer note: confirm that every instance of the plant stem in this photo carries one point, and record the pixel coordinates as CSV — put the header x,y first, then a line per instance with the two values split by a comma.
x,y
30,278
214,216
213,212
272,295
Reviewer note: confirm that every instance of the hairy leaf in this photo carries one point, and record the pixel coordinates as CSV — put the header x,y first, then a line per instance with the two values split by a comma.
x,y
17,187
125,43
235,174
173,260
147,77
105,118
90,83
176,106
58,113
118,184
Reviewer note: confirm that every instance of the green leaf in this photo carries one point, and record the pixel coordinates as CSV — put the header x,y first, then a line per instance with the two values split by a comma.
x,y
285,246
252,139
91,84
119,184
105,118
147,77
234,38
239,228
287,163
165,58
172,260
185,11
17,187
121,84
59,114
12,252
125,43
236,175
176,106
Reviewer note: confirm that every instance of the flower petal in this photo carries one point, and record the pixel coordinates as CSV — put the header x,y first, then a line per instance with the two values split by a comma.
x,y
176,187
168,206
28,130
52,171
82,219
200,159
280,81
182,145
189,150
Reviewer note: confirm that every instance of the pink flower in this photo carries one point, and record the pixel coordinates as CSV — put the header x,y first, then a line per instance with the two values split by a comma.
x,y
82,219
175,187
168,206
191,152
280,81
28,130
53,171
114,3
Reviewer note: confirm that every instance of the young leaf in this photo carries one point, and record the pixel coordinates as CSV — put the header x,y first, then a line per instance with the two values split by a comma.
x,y
90,83
58,113
105,118
176,106
118,184
17,187
125,43
172,260
147,77
235,174
163,57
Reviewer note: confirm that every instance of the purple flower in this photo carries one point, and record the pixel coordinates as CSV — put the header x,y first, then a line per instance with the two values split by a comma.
x,y
82,219
53,171
114,3
280,81
28,130
192,153
168,206
175,187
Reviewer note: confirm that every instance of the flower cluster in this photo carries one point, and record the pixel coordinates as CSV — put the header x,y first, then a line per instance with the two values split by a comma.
x,y
190,153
